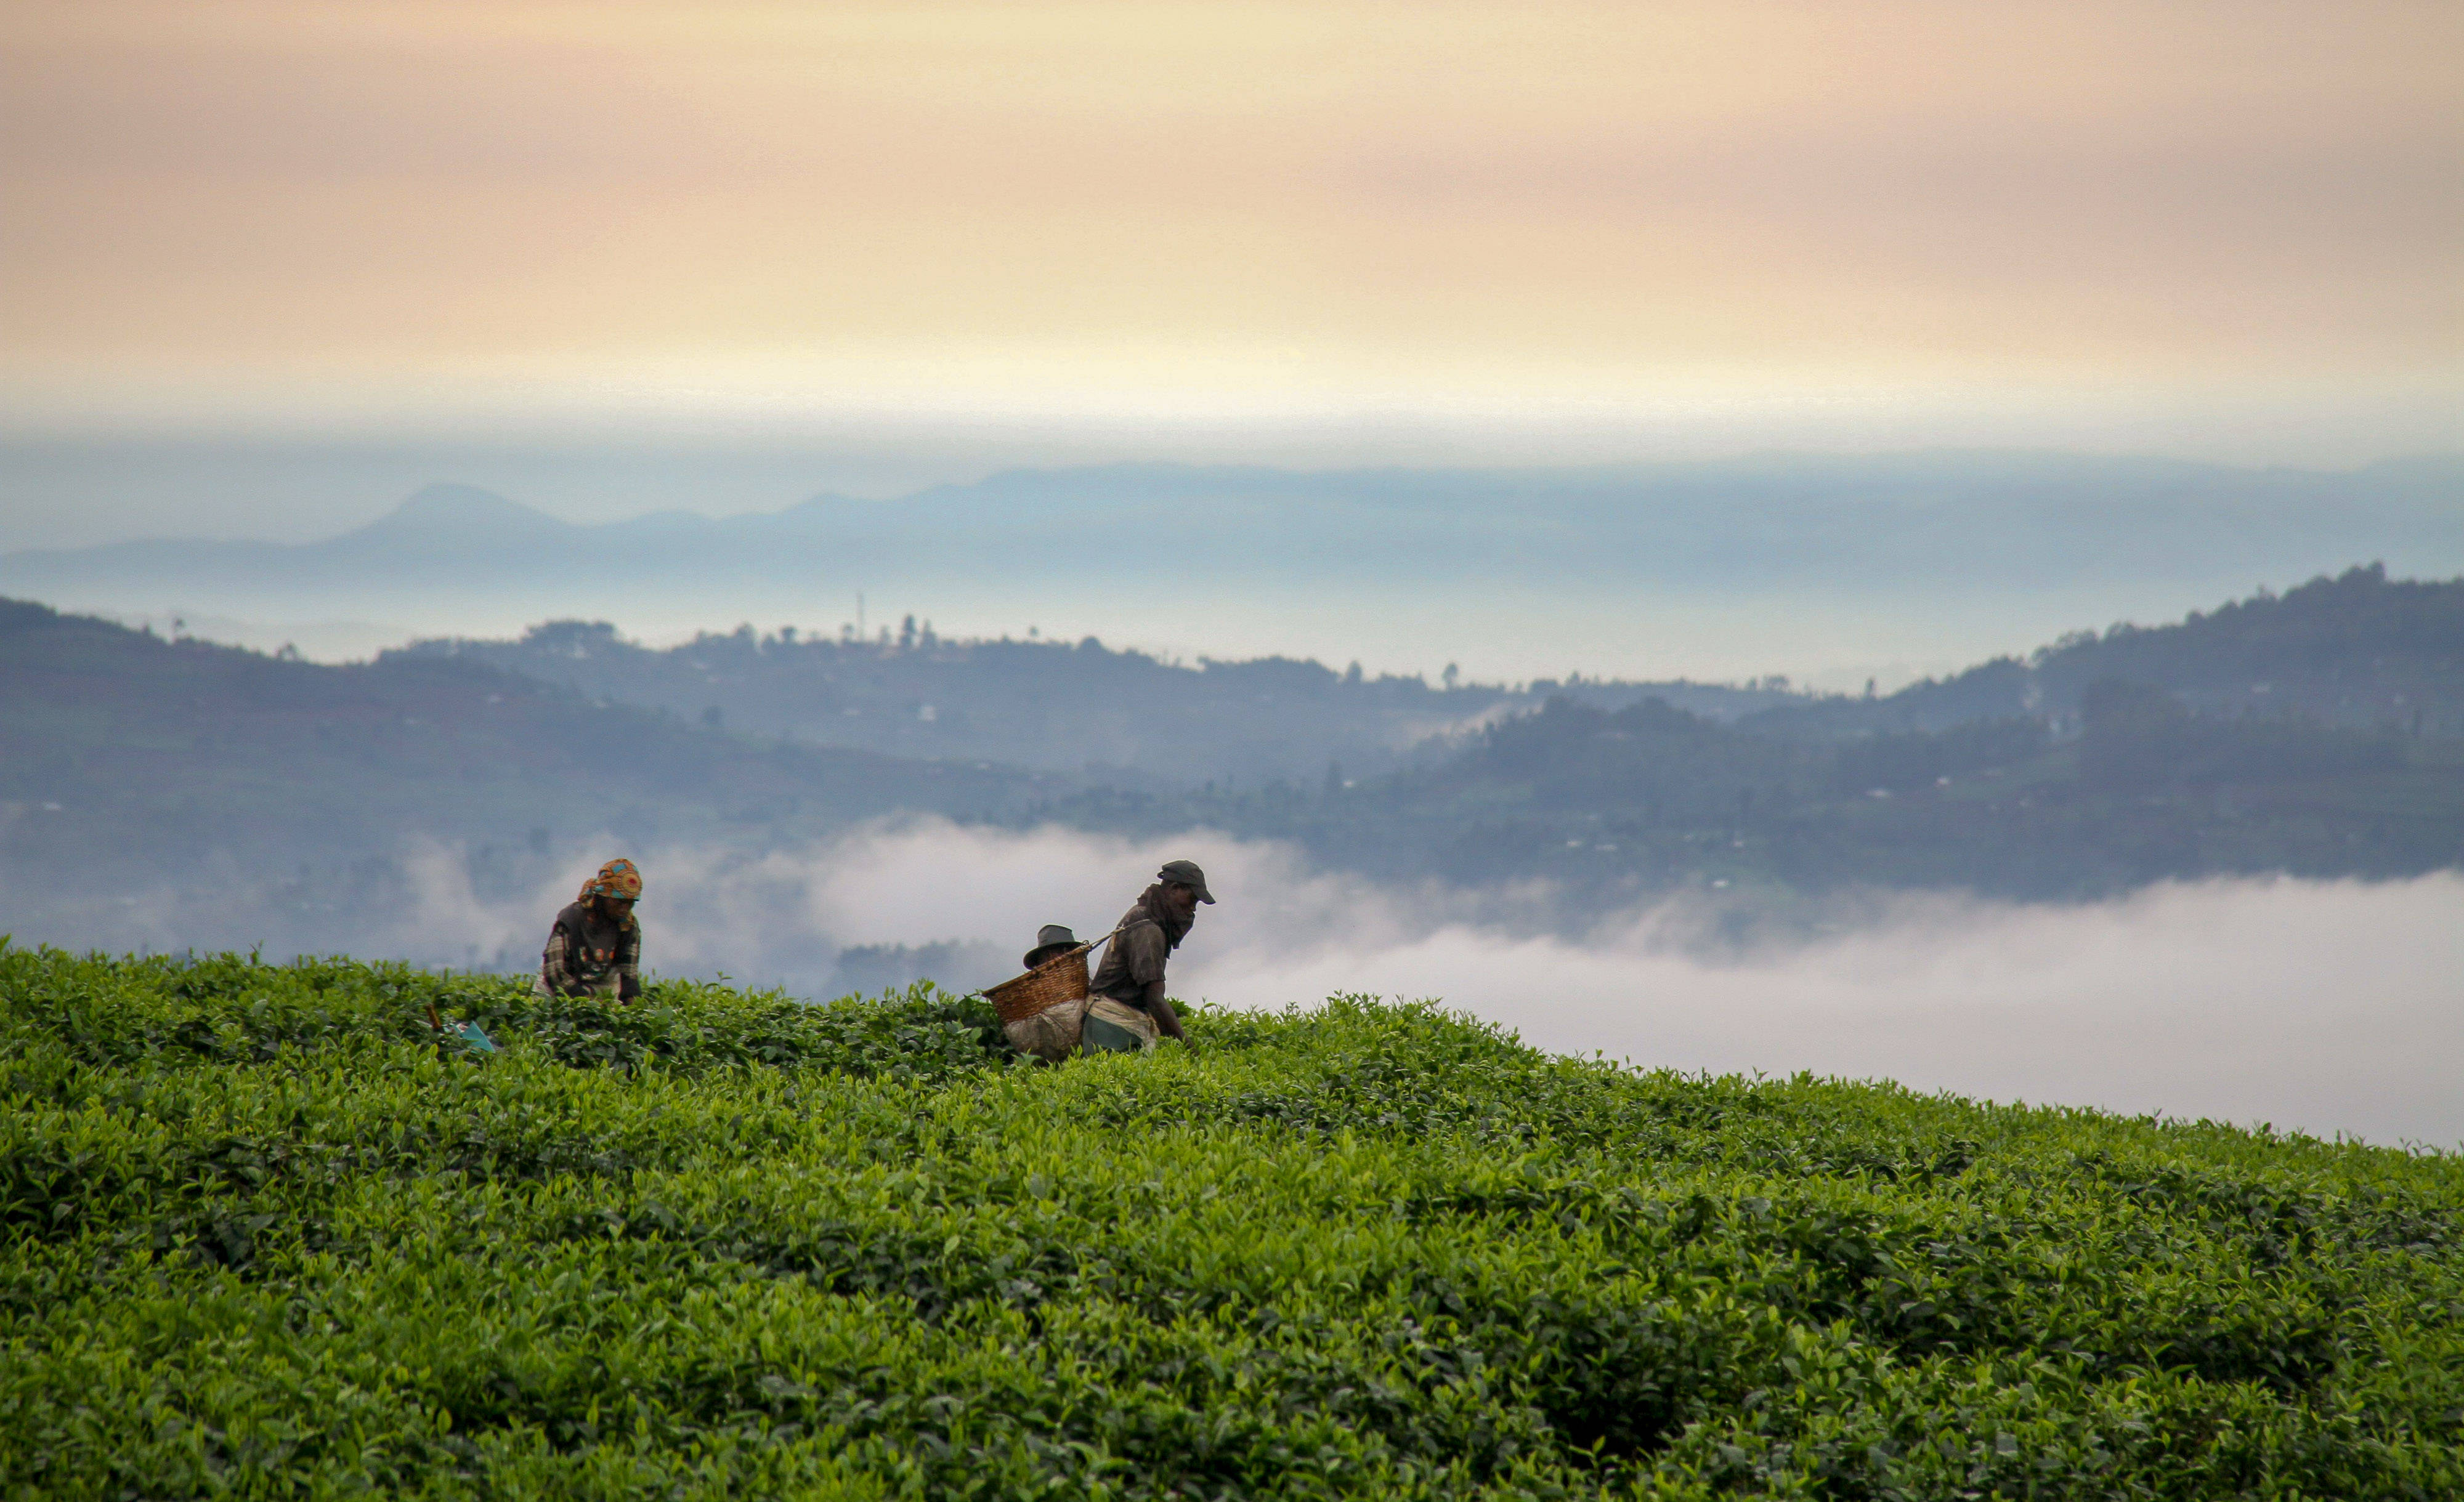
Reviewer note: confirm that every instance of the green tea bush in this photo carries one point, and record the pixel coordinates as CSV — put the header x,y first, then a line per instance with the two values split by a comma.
x,y
261,1235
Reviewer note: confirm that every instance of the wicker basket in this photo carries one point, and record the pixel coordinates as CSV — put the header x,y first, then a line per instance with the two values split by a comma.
x,y
1058,979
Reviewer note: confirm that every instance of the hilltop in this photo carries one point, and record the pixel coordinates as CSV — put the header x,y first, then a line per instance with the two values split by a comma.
x,y
261,1235
2357,649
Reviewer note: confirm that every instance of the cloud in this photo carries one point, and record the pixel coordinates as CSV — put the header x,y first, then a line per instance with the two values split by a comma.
x,y
780,916
2324,1007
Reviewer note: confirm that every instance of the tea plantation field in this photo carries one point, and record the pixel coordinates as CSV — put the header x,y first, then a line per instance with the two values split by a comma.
x,y
260,1236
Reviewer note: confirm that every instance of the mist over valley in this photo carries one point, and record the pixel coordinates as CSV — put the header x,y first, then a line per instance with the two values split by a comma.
x,y
1697,874
1761,709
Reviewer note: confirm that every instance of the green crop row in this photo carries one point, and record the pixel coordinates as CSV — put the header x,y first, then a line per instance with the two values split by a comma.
x,y
262,1235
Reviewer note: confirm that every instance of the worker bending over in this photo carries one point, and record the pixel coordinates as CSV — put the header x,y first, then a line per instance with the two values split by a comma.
x,y
595,946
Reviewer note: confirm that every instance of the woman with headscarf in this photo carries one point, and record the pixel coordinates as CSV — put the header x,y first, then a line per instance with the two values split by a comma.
x,y
595,947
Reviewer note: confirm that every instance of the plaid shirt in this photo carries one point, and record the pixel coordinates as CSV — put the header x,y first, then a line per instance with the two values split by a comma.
x,y
584,957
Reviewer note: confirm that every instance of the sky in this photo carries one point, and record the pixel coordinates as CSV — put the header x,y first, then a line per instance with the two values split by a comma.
x,y
867,246
1378,231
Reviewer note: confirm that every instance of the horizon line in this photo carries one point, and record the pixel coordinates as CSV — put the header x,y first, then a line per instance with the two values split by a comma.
x,y
1218,467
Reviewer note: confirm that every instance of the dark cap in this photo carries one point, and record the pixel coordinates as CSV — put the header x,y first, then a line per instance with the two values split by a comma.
x,y
1187,873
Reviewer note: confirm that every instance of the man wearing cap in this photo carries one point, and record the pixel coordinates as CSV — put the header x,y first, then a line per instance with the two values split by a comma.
x,y
1132,969
595,947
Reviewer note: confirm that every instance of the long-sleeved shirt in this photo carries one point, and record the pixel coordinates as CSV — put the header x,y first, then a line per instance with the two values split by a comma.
x,y
1136,959
585,956
1133,969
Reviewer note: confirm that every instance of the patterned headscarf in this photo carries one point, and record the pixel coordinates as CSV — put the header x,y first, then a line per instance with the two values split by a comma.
x,y
619,877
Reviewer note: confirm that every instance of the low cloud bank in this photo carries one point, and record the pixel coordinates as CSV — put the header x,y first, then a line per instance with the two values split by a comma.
x,y
2324,1007
2327,1007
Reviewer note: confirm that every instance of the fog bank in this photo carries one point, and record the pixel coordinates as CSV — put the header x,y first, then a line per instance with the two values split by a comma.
x,y
2326,1007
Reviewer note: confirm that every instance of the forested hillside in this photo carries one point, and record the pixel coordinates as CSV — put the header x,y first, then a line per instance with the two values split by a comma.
x,y
166,793
217,781
2319,733
261,1235
1129,716
2359,649
1619,805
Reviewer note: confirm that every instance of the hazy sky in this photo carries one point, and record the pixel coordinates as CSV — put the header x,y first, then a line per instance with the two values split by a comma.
x,y
2223,229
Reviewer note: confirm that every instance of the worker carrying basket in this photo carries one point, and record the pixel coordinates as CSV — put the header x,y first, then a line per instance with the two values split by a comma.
x,y
1057,1009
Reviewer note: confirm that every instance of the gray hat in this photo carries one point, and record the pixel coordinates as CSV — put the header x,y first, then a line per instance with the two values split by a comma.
x,y
1187,873
1050,940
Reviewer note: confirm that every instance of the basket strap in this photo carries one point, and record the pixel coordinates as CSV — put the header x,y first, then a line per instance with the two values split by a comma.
x,y
1090,947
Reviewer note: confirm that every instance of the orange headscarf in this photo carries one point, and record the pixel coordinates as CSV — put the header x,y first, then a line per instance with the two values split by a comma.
x,y
619,877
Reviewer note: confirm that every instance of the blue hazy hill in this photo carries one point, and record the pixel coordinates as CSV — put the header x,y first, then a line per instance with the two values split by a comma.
x,y
1635,568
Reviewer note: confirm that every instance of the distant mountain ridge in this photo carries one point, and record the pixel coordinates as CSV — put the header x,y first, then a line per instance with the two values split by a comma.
x,y
448,515
1837,567
2005,516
